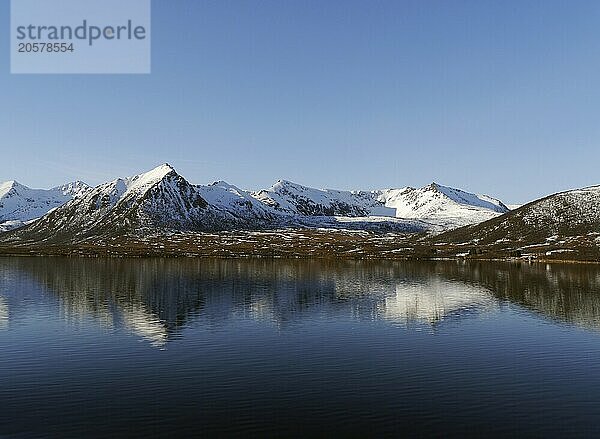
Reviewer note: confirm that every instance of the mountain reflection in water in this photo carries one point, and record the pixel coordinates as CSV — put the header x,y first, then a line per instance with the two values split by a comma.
x,y
297,348
3,313
157,298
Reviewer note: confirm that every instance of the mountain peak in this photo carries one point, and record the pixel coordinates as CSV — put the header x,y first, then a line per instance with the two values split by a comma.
x,y
9,185
150,178
286,185
162,170
75,188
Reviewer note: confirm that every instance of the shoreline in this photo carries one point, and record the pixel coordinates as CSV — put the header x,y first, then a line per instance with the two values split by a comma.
x,y
298,244
89,253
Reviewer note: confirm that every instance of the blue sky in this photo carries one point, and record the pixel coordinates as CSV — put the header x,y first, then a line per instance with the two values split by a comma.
x,y
495,97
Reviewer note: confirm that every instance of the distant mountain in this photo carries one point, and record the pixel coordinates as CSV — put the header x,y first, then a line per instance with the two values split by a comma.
x,y
162,201
552,226
295,199
151,207
20,204
441,205
234,201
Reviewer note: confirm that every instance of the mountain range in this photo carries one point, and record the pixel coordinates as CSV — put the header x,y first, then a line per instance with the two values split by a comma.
x,y
161,199
162,210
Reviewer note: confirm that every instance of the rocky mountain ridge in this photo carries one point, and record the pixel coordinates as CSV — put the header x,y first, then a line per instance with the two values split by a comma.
x,y
163,199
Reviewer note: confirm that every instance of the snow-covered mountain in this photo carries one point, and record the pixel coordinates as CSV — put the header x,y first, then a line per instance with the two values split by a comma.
x,y
158,197
20,204
158,200
161,200
295,199
441,205
235,201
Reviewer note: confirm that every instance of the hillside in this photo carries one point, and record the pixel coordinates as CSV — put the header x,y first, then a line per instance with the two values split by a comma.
x,y
561,226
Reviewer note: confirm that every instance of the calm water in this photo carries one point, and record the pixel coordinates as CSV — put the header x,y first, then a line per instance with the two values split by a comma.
x,y
297,348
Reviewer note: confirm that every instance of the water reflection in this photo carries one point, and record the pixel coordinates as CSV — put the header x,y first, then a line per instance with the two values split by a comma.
x,y
3,313
145,324
564,292
157,298
435,300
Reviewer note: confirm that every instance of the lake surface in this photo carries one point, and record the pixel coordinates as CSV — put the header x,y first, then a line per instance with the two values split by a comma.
x,y
264,348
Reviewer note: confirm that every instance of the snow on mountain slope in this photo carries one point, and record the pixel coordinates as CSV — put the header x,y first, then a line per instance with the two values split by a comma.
x,y
441,205
155,201
73,189
291,198
158,198
573,208
20,204
547,222
161,199
229,198
10,225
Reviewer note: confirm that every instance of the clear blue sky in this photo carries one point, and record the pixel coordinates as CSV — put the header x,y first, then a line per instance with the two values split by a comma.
x,y
497,97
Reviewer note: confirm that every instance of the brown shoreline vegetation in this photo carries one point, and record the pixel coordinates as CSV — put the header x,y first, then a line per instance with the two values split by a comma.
x,y
303,243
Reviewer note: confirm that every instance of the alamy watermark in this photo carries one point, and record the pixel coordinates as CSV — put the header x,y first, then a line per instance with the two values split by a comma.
x,y
80,36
